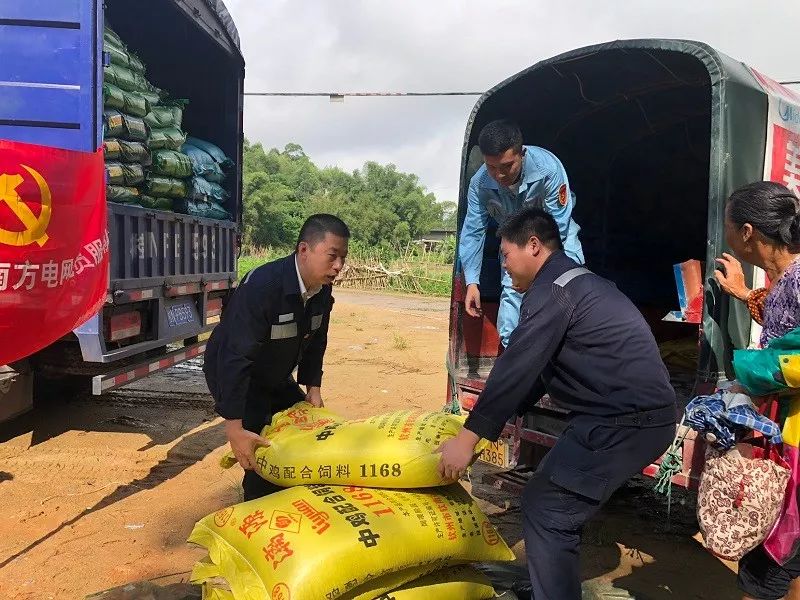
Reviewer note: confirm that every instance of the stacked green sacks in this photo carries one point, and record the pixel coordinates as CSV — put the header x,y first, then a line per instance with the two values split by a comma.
x,y
170,171
142,133
206,195
150,162
127,99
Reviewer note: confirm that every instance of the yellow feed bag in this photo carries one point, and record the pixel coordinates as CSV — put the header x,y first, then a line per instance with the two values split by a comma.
x,y
324,542
215,588
460,582
395,450
211,592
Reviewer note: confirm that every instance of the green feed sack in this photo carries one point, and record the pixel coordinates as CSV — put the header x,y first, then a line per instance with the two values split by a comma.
x,y
156,203
127,102
110,37
128,175
165,115
122,195
153,97
122,57
127,79
171,163
127,152
170,138
158,185
126,127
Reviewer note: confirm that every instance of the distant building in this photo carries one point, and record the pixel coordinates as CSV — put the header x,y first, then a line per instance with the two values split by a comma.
x,y
434,238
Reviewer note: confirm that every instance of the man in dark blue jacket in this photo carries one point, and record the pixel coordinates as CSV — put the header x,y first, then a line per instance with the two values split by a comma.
x,y
276,321
584,343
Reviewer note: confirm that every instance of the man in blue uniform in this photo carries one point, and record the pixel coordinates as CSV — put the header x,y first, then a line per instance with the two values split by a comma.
x,y
512,175
276,321
585,343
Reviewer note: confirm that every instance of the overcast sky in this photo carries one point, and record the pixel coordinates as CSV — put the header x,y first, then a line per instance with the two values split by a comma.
x,y
450,45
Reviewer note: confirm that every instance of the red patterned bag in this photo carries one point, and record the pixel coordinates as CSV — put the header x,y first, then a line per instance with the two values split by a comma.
x,y
740,499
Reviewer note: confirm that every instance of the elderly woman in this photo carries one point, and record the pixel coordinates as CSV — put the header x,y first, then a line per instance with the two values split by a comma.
x,y
762,228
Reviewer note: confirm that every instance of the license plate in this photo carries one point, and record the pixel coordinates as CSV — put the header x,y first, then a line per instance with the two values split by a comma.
x,y
497,454
180,314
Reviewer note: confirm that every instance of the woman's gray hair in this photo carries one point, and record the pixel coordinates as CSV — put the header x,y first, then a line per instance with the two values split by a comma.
x,y
771,208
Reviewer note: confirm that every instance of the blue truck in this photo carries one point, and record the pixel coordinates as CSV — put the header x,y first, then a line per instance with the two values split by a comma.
x,y
169,274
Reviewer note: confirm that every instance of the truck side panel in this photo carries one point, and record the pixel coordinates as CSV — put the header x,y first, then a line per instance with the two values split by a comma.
x,y
50,73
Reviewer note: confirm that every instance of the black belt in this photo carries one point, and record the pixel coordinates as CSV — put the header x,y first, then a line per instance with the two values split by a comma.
x,y
656,417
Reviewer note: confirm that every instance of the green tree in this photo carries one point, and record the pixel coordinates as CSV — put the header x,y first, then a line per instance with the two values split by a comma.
x,y
449,214
383,206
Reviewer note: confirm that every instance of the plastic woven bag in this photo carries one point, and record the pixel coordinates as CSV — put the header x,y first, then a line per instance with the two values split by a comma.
x,y
169,187
165,115
111,37
127,79
122,195
203,164
153,97
202,190
121,56
218,155
127,102
457,582
170,138
325,541
125,174
206,210
172,164
460,582
127,127
127,152
214,586
156,203
392,450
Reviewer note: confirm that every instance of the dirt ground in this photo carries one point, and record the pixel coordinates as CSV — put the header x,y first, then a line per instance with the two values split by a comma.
x,y
98,492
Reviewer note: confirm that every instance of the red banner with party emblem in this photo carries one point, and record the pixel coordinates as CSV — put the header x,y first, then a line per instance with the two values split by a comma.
x,y
53,244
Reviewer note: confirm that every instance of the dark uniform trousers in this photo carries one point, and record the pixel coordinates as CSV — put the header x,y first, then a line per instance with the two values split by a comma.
x,y
592,458
262,403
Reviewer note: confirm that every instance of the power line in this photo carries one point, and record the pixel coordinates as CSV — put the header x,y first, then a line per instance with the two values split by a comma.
x,y
341,95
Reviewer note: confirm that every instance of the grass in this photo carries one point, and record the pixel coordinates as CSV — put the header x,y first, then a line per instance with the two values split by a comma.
x,y
430,271
399,342
255,258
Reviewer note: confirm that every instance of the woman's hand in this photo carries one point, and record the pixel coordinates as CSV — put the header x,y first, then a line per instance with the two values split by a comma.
x,y
731,279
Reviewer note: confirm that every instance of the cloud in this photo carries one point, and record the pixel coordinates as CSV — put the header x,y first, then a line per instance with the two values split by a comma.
x,y
448,45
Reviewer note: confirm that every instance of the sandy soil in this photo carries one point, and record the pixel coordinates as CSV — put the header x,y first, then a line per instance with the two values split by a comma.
x,y
97,492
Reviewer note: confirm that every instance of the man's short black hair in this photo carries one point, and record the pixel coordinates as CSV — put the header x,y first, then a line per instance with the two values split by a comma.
x,y
529,222
498,136
316,226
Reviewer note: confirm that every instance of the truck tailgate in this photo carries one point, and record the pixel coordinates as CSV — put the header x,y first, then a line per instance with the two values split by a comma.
x,y
152,248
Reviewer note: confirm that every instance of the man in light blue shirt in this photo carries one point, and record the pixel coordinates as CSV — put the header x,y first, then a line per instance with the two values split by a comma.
x,y
512,175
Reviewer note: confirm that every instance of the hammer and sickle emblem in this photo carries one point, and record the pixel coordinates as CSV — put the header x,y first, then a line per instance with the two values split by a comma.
x,y
35,227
